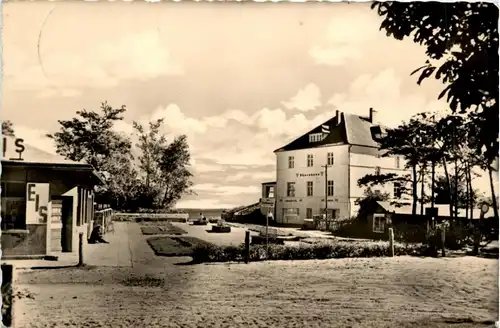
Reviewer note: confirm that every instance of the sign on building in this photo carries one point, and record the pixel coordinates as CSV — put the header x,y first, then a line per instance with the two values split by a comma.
x,y
13,148
37,203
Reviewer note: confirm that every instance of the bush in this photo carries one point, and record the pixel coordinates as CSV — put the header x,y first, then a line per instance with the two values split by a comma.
x,y
337,249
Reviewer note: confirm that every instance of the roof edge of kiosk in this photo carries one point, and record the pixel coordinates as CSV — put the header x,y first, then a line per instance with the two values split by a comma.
x,y
18,153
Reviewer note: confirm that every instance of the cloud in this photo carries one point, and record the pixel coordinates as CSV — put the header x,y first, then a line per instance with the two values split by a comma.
x,y
335,55
344,41
206,203
384,93
59,93
36,138
306,99
140,56
226,190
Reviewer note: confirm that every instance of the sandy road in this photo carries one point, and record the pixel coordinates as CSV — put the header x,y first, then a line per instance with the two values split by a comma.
x,y
155,292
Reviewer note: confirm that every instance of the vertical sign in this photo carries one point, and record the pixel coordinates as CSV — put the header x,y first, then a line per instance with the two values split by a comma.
x,y
37,203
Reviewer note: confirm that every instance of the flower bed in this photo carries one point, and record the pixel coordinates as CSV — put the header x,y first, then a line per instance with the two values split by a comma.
x,y
331,250
162,229
176,246
221,228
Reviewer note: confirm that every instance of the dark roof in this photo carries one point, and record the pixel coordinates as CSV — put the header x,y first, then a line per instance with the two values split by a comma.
x,y
443,210
352,130
268,183
337,136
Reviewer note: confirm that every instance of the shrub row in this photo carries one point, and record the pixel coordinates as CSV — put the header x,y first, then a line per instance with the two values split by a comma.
x,y
337,249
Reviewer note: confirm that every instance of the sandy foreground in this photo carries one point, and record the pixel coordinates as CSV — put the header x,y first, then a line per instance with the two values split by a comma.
x,y
162,292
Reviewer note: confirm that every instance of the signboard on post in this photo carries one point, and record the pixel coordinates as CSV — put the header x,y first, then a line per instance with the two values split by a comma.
x,y
37,202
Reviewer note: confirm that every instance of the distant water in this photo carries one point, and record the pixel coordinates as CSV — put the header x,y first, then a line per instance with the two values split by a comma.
x,y
194,213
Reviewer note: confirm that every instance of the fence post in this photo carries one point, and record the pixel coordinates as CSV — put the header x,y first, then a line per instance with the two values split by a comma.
x,y
80,249
443,241
247,246
391,242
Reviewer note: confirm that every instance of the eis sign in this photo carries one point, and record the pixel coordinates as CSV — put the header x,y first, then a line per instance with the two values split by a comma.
x,y
37,203
10,145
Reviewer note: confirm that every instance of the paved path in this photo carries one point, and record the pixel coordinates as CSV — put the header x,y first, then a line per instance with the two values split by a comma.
x,y
235,237
115,254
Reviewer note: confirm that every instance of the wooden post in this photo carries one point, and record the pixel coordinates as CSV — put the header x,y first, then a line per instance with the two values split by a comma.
x,y
443,240
80,249
267,236
8,279
391,242
247,246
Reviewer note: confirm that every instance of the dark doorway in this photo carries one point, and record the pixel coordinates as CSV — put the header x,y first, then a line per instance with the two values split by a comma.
x,y
67,224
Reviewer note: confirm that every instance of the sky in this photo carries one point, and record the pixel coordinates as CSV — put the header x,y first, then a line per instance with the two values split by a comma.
x,y
239,79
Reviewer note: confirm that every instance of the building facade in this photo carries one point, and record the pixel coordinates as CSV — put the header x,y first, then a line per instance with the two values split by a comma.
x,y
46,201
320,170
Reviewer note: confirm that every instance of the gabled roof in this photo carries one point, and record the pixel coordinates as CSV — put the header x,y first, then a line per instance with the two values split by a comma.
x,y
352,130
336,136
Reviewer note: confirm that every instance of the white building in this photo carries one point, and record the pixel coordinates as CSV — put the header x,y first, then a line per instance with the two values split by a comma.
x,y
346,145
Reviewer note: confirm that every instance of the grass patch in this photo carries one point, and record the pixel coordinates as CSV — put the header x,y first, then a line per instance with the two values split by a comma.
x,y
166,228
330,250
176,246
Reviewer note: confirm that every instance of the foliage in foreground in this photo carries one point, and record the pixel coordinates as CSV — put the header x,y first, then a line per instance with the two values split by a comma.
x,y
338,249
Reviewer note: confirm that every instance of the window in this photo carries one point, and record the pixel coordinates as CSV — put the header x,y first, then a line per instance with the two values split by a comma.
x,y
378,223
13,205
290,211
270,192
290,189
315,137
291,162
397,162
330,160
309,188
310,160
397,190
330,188
309,213
377,170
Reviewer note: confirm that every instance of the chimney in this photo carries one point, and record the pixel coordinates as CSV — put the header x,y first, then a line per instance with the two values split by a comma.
x,y
373,116
338,117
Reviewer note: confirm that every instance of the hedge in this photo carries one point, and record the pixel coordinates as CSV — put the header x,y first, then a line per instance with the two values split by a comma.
x,y
337,249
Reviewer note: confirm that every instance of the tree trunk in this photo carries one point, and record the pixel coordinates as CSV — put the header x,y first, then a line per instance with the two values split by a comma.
x,y
414,191
467,191
493,196
433,181
447,175
471,200
422,192
455,191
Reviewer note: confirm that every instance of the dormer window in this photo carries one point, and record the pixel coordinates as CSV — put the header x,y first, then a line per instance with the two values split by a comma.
x,y
316,137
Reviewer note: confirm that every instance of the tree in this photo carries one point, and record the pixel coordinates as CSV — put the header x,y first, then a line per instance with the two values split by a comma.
x,y
370,196
163,165
8,129
151,144
443,194
90,137
176,177
409,141
463,37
